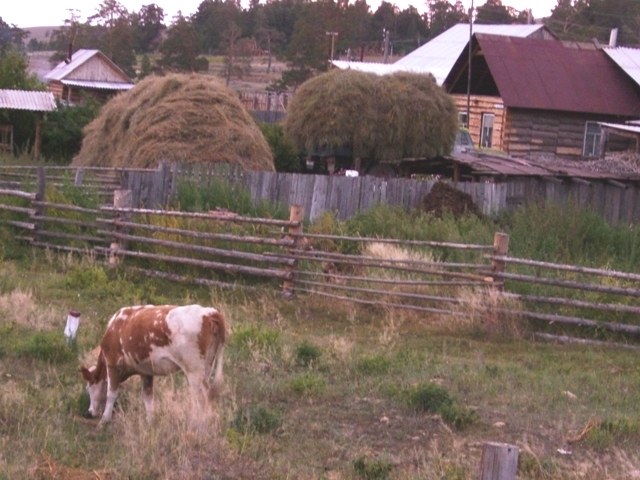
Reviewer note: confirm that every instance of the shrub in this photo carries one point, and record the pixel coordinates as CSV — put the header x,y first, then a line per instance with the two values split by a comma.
x,y
376,365
379,469
258,419
250,339
309,383
307,353
285,155
433,398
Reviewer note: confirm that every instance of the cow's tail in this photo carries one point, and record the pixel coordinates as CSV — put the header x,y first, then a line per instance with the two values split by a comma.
x,y
218,377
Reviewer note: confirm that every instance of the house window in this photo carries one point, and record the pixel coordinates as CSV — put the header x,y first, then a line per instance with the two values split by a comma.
x,y
486,135
463,119
592,135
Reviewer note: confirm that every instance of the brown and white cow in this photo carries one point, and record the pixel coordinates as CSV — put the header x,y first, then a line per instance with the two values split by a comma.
x,y
156,340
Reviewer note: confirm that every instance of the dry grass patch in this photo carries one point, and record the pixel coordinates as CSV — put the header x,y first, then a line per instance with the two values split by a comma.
x,y
487,313
20,308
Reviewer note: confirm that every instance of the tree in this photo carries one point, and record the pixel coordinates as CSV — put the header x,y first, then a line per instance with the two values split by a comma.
x,y
10,36
237,62
14,74
443,15
148,25
412,29
117,35
583,20
181,47
211,19
494,12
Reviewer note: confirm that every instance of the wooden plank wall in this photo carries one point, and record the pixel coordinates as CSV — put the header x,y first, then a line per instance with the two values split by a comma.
x,y
347,195
480,104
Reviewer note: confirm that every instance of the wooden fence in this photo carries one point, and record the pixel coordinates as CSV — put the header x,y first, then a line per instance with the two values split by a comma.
x,y
615,201
226,250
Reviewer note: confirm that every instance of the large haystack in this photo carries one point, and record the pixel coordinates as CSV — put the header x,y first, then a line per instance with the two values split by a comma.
x,y
190,118
379,117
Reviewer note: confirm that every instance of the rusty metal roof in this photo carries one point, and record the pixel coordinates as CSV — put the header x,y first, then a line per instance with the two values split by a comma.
x,y
504,165
27,100
554,75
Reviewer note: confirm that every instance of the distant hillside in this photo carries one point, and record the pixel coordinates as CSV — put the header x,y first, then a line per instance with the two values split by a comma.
x,y
42,34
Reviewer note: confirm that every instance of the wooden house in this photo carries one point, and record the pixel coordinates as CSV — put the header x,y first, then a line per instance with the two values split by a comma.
x,y
531,96
87,72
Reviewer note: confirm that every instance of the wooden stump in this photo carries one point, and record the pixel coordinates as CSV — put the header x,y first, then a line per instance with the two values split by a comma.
x,y
499,461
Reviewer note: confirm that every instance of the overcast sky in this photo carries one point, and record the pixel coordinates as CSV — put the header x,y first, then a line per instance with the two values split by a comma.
x,y
35,13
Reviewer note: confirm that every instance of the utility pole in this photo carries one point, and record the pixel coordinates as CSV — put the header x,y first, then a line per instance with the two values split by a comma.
x,y
333,40
470,58
385,33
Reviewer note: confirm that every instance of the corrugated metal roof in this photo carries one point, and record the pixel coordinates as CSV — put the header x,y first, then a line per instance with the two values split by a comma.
x,y
624,127
491,164
27,100
98,85
64,69
551,75
440,54
628,59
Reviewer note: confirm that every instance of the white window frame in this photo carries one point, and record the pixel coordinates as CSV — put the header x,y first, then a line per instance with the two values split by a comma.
x,y
486,130
591,145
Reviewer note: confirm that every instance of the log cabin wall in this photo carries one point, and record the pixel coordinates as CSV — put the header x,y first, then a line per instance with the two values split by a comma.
x,y
534,132
479,105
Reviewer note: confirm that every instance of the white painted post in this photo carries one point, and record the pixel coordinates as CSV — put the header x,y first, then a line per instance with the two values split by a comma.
x,y
71,328
499,461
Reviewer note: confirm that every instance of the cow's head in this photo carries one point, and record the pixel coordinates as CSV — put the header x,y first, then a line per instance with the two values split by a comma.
x,y
97,389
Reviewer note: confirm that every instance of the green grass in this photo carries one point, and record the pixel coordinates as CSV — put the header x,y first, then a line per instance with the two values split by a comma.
x,y
314,389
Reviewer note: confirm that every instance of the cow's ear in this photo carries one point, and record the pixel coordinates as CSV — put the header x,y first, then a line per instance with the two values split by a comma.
x,y
87,374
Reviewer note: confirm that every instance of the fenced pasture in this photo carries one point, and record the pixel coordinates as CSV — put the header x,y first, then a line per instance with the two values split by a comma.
x,y
335,381
223,249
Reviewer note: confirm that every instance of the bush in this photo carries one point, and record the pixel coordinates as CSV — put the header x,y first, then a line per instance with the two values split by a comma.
x,y
376,470
259,419
433,398
309,383
62,131
285,155
376,365
307,353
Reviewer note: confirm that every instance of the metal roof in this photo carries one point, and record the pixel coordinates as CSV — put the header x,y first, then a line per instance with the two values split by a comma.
x,y
553,75
628,59
98,85
631,127
439,55
27,100
492,164
64,69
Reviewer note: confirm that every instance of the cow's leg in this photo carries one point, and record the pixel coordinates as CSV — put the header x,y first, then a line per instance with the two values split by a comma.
x,y
113,383
199,386
147,394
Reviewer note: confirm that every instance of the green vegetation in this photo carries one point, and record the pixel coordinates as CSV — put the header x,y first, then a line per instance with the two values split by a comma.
x,y
318,388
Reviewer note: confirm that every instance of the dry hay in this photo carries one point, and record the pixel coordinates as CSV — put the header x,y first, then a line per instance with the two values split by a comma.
x,y
385,117
445,198
188,118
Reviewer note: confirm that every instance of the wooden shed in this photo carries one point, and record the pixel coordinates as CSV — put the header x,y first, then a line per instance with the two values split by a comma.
x,y
88,72
33,101
531,96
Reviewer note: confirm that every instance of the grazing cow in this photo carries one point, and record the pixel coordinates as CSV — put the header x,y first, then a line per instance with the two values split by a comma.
x,y
156,340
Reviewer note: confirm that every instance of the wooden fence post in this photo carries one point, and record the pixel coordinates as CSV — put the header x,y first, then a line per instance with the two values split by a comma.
x,y
501,244
121,199
296,214
79,177
41,187
499,461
